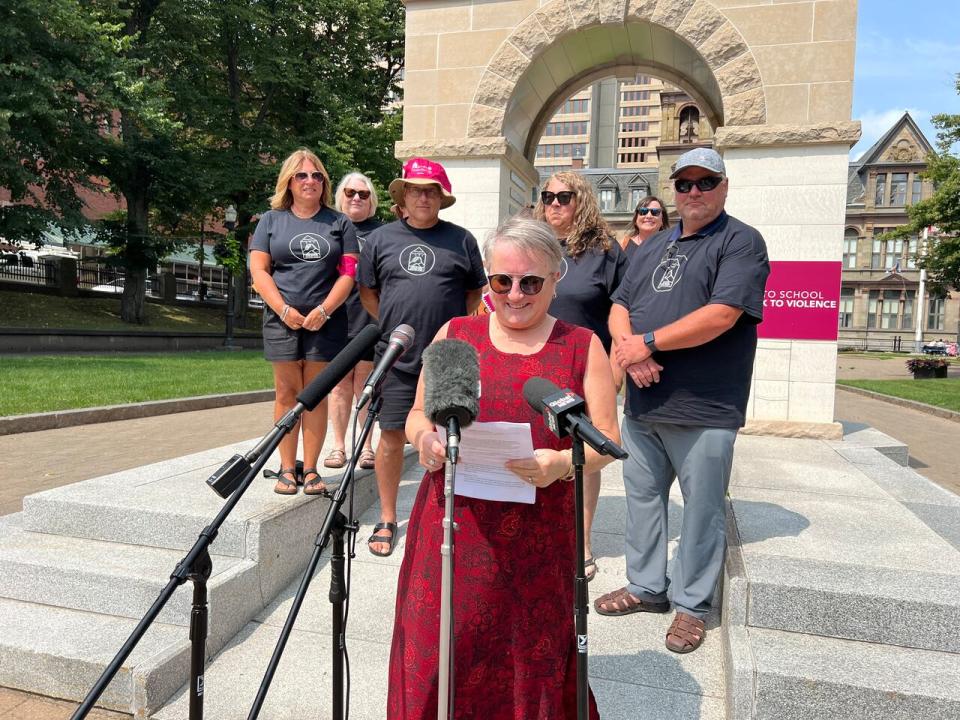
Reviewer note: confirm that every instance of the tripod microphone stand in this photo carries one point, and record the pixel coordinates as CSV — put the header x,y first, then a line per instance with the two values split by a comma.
x,y
335,525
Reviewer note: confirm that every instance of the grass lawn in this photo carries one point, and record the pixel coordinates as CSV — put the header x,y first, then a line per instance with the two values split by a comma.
x,y
36,311
59,382
943,393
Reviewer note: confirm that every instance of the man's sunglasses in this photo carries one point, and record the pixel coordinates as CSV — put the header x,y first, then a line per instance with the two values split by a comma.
x,y
704,184
350,192
501,283
302,176
652,211
563,197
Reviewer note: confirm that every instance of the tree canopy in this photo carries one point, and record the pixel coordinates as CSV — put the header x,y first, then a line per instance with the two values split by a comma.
x,y
182,108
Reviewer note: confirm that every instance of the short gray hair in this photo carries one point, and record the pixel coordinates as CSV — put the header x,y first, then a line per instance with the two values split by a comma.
x,y
528,235
338,196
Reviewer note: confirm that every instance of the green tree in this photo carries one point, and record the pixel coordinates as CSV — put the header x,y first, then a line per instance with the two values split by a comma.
x,y
941,258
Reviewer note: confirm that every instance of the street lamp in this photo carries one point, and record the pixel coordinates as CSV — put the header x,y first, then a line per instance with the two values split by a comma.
x,y
229,222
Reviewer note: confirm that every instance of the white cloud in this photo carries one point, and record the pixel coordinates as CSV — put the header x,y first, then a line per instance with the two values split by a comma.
x,y
873,124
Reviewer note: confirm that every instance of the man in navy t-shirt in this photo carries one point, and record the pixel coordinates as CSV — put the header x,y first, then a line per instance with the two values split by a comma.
x,y
420,271
684,324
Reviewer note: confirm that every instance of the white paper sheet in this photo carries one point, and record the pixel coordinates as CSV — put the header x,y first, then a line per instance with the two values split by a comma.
x,y
484,448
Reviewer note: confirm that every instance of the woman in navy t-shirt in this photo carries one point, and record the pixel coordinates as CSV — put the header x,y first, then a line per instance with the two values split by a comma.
x,y
649,218
303,259
592,268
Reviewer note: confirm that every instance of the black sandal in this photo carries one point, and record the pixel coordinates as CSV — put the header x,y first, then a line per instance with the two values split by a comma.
x,y
392,540
284,485
315,486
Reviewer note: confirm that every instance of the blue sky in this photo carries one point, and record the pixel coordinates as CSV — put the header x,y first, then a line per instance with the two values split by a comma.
x,y
908,57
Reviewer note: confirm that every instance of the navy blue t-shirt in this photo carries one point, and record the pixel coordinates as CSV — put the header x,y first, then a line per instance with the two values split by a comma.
x,y
422,277
305,253
357,317
587,284
668,278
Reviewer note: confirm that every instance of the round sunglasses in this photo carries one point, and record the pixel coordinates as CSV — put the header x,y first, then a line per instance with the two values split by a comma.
x,y
502,283
302,176
350,192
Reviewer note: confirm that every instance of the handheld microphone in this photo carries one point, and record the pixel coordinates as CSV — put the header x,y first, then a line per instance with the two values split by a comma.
x,y
229,476
563,413
400,341
451,388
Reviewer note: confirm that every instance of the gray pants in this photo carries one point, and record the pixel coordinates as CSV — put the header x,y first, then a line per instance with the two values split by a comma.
x,y
701,458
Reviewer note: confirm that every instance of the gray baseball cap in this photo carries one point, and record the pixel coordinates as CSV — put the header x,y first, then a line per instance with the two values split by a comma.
x,y
705,158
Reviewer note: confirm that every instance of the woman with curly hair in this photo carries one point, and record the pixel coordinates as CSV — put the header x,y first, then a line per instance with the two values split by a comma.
x,y
591,270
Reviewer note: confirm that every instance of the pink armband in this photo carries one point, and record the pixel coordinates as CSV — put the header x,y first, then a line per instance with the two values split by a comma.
x,y
348,266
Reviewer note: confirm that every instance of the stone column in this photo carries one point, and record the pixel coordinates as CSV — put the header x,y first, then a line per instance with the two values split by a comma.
x,y
790,182
67,277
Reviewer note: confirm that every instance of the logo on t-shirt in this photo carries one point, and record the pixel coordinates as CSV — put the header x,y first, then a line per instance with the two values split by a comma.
x,y
417,259
668,273
309,247
563,268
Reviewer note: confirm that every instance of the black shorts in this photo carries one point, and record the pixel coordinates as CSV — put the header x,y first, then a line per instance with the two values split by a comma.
x,y
398,392
368,355
283,344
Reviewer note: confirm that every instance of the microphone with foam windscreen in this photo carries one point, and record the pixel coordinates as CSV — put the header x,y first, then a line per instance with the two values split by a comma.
x,y
451,388
563,412
400,341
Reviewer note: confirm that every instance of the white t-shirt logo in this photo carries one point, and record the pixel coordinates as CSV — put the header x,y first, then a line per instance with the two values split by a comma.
x,y
309,247
563,268
667,274
418,259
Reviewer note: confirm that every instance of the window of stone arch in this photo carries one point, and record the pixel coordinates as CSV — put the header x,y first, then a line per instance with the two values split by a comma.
x,y
850,239
689,125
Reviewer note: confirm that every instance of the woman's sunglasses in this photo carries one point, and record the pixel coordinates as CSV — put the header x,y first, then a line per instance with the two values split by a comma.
x,y
563,197
501,283
302,176
704,184
350,192
652,211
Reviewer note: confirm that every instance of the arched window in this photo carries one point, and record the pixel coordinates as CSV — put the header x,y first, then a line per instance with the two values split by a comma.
x,y
689,125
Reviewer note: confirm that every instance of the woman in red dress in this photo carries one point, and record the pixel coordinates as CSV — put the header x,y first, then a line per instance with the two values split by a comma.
x,y
514,654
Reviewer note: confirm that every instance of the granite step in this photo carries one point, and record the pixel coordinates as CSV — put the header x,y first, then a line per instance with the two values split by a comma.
x,y
121,580
893,606
804,677
60,653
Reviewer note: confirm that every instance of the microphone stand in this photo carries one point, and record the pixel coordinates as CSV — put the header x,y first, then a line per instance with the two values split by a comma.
x,y
335,525
445,698
197,567
580,605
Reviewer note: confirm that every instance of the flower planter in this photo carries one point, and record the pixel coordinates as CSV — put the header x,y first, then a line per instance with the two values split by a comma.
x,y
923,374
927,368
940,372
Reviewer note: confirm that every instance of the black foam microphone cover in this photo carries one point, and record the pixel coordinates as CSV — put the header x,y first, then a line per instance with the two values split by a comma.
x,y
338,368
451,382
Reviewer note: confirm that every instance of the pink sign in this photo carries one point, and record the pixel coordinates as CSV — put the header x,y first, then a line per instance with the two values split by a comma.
x,y
801,301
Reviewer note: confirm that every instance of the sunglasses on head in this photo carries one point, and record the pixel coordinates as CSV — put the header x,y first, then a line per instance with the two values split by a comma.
x,y
302,176
502,283
704,184
350,192
652,211
563,197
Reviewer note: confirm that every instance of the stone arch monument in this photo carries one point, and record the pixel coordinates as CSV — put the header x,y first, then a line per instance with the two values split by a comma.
x,y
775,80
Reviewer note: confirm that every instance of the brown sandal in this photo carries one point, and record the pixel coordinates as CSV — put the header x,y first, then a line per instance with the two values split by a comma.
x,y
286,486
336,459
314,486
686,633
367,460
621,602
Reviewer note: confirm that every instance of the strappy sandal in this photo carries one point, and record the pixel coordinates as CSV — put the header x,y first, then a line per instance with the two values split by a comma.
x,y
336,459
315,486
590,568
367,460
285,485
622,602
686,633
375,538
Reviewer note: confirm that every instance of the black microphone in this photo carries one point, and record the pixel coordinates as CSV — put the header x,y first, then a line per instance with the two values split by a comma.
x,y
228,476
451,388
400,341
563,413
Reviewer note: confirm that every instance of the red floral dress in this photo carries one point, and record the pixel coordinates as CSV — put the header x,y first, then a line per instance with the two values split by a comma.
x,y
514,647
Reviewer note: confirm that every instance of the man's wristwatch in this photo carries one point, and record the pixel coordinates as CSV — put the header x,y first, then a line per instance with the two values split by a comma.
x,y
650,342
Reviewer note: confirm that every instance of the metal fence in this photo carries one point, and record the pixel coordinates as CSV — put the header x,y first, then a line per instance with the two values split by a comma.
x,y
25,269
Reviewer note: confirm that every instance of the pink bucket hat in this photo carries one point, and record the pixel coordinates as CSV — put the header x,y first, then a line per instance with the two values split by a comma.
x,y
420,171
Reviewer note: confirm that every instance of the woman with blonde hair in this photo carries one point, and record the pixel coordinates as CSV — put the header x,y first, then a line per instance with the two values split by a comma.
x,y
357,199
591,270
303,260
649,218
